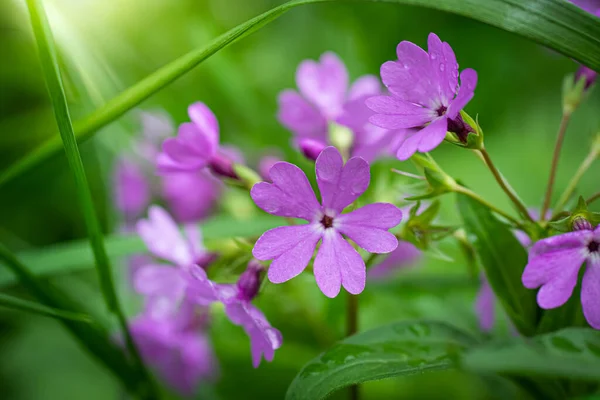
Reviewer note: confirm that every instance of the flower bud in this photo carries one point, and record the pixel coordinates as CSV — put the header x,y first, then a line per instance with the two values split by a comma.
x,y
222,166
581,224
249,282
460,128
311,148
587,74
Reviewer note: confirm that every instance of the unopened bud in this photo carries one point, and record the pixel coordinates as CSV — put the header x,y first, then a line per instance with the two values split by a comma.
x,y
581,224
460,128
311,148
249,282
587,74
222,166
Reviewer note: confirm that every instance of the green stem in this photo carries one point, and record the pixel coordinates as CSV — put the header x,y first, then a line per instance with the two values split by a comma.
x,y
505,185
351,329
482,201
562,129
593,198
14,303
585,165
49,63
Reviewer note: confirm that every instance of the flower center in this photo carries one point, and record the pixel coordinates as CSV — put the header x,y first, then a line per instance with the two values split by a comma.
x,y
594,247
327,221
441,111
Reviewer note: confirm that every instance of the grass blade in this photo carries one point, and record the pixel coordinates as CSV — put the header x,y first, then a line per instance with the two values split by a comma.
x,y
49,63
556,24
94,338
14,303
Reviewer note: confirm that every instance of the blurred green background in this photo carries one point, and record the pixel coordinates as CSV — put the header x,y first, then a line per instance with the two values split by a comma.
x,y
106,46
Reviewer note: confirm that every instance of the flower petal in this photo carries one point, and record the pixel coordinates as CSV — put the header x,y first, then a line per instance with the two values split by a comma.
x,y
405,255
468,82
433,135
409,145
336,264
368,225
162,237
159,280
484,305
290,247
206,122
554,264
300,117
366,85
290,194
443,63
324,83
411,77
340,185
590,292
394,113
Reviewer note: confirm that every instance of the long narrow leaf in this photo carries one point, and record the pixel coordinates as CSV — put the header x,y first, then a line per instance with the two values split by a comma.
x,y
76,256
95,339
49,63
15,303
556,24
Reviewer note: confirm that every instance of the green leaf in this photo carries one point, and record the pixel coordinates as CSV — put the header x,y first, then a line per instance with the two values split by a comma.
x,y
94,338
572,353
557,24
399,349
15,303
77,256
503,258
54,84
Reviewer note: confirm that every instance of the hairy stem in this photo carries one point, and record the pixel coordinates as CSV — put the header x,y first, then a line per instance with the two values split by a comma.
x,y
562,129
585,165
510,192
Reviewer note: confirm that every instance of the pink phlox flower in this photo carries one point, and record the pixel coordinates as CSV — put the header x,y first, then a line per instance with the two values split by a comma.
x,y
424,95
554,265
325,96
177,347
291,247
166,285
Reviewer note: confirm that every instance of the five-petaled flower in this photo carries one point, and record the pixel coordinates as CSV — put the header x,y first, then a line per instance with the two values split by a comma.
x,y
196,146
326,97
554,265
424,95
291,247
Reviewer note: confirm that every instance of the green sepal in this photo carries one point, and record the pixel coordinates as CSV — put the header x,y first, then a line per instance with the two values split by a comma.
x,y
573,93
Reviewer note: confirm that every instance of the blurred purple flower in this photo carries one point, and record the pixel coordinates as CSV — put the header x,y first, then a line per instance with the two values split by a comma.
x,y
554,265
178,348
425,94
191,196
405,255
265,164
132,189
237,299
156,126
591,6
326,97
291,247
485,305
166,285
196,146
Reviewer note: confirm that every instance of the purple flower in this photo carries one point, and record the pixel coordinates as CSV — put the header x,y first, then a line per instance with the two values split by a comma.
x,y
166,285
291,247
191,196
586,73
325,97
237,299
156,126
554,265
132,189
591,6
178,348
485,305
425,94
196,145
405,255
